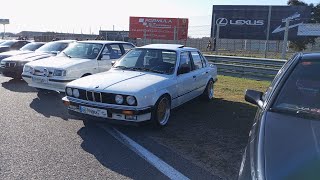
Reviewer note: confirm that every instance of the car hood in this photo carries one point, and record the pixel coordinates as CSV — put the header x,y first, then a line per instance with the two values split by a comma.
x,y
118,81
58,62
13,53
29,56
292,147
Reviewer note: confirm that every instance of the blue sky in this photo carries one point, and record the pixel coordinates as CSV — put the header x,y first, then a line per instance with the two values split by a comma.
x,y
76,15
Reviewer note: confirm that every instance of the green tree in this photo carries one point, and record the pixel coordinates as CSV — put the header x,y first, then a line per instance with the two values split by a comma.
x,y
301,44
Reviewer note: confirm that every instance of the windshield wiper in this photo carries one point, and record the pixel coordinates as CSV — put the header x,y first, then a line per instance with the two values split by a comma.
x,y
147,69
66,54
121,67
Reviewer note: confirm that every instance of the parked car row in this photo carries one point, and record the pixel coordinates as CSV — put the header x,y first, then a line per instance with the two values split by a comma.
x,y
131,84
117,82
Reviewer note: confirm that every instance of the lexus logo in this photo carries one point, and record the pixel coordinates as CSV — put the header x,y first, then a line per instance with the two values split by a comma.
x,y
222,21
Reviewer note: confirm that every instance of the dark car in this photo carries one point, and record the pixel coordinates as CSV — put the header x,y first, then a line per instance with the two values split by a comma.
x,y
13,66
284,142
12,45
28,48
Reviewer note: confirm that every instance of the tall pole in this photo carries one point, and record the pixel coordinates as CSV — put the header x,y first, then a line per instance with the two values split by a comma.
x,y
213,25
266,46
217,38
285,40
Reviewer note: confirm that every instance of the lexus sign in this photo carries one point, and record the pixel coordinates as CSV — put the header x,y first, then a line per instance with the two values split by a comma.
x,y
239,22
251,22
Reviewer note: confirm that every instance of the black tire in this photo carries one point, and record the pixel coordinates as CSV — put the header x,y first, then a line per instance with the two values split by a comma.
x,y
164,102
208,93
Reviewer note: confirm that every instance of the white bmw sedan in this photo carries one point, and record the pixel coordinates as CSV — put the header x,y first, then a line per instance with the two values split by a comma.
x,y
143,85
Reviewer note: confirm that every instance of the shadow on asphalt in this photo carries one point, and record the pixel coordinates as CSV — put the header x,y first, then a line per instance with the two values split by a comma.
x,y
17,85
113,155
212,134
49,104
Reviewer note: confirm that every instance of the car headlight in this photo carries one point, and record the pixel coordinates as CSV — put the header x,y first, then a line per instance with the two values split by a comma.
x,y
131,100
29,69
57,72
69,91
76,93
119,99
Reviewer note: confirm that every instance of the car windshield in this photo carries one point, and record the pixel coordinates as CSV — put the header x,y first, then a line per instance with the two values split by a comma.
x,y
83,50
153,60
300,94
8,43
31,47
53,47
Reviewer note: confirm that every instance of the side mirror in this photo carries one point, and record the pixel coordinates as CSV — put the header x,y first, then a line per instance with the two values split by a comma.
x,y
254,97
112,63
183,70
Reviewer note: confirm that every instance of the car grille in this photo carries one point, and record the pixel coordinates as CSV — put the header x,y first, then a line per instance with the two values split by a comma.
x,y
97,96
8,64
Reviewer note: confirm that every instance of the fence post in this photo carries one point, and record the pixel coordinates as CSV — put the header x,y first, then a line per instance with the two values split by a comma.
x,y
285,40
266,47
217,38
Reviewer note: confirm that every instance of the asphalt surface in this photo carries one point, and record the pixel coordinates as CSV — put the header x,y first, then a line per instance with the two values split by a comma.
x,y
39,140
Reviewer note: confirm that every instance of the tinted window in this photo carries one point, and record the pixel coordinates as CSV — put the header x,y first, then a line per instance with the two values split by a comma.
x,y
153,60
8,43
31,46
302,88
196,60
127,47
83,50
185,62
53,47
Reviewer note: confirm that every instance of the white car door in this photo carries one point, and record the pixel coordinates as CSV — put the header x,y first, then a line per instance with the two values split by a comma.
x,y
202,74
111,52
186,79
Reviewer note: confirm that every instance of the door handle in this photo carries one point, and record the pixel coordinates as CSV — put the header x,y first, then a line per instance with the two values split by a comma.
x,y
194,76
207,72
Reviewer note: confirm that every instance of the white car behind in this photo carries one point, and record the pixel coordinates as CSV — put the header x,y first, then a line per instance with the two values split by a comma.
x,y
78,60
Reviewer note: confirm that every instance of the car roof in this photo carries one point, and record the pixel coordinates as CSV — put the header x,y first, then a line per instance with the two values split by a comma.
x,y
314,55
103,42
66,41
174,47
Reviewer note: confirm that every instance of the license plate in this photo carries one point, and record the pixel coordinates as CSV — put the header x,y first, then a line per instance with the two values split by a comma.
x,y
93,111
40,80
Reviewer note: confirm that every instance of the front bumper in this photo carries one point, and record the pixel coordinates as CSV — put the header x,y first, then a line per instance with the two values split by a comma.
x,y
115,113
13,72
52,84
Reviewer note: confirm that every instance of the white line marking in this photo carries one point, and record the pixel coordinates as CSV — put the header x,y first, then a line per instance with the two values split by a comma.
x,y
162,166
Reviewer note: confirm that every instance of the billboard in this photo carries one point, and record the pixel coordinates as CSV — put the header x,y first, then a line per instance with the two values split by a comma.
x,y
251,22
309,30
4,21
158,28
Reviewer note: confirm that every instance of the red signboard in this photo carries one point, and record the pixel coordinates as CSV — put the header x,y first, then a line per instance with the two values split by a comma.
x,y
158,28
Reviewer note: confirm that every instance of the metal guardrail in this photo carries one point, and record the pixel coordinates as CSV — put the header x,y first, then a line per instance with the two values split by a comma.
x,y
254,68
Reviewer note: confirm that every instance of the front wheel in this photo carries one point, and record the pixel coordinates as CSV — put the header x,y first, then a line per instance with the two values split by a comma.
x,y
208,93
161,112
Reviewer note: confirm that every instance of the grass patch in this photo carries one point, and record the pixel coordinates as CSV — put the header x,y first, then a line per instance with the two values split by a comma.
x,y
232,88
